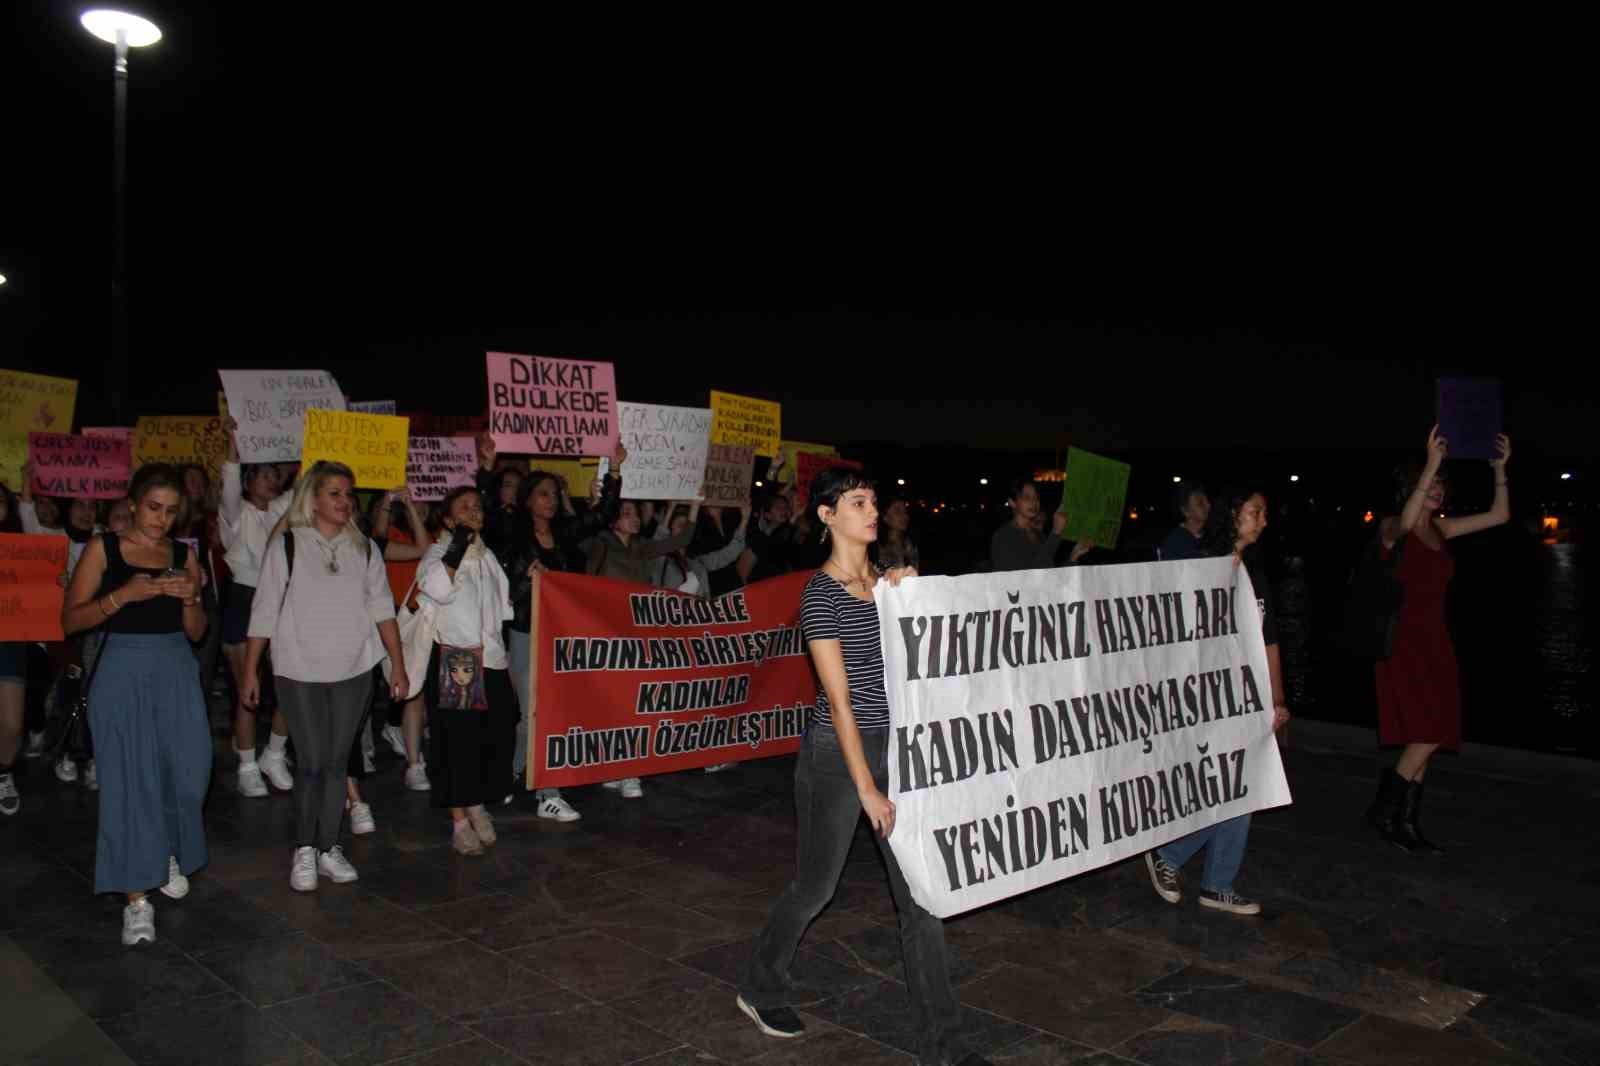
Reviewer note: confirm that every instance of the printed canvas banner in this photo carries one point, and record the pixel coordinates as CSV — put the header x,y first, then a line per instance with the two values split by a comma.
x,y
372,446
30,589
435,465
1095,491
667,449
181,439
745,421
729,468
84,468
270,407
543,406
630,680
30,403
1049,722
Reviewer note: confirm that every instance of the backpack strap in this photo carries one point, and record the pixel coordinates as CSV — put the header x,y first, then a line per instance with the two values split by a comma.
x,y
288,558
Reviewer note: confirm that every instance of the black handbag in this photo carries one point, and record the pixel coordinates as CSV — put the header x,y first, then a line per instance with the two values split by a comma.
x,y
1372,608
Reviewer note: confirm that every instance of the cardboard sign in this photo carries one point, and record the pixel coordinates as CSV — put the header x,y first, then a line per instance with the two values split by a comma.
x,y
543,406
181,439
121,432
372,446
30,585
746,422
729,468
372,407
788,451
1471,415
808,465
666,450
1093,496
80,468
30,403
435,465
579,474
270,408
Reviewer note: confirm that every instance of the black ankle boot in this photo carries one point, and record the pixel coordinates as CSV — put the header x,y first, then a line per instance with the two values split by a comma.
x,y
1413,807
1395,824
1378,813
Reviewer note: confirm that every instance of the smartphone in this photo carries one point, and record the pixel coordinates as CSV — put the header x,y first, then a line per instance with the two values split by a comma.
x,y
172,572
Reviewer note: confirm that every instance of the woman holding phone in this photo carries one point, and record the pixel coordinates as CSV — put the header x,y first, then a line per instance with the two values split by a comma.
x,y
152,740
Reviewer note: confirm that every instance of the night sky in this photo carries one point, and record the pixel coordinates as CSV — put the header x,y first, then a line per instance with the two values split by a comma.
x,y
389,203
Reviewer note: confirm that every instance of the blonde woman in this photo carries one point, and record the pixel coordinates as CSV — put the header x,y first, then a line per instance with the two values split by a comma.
x,y
329,616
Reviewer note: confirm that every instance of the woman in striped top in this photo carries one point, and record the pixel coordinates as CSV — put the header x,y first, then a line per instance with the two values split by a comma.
x,y
841,774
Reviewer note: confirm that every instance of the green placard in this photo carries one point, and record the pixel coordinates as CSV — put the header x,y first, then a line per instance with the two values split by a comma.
x,y
1093,496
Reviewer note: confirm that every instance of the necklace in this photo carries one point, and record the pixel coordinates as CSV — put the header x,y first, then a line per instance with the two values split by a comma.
x,y
331,551
846,580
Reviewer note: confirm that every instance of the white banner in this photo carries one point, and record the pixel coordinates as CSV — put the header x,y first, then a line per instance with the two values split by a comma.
x,y
270,407
667,449
1049,722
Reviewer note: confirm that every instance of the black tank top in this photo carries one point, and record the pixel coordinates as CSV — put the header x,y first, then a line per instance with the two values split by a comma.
x,y
160,614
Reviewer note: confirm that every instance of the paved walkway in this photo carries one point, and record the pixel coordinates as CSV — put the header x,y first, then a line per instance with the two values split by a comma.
x,y
614,940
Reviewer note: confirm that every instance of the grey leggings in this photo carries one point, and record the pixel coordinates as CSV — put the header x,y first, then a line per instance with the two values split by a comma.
x,y
323,718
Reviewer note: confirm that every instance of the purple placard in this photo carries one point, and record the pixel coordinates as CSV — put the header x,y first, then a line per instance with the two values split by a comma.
x,y
1470,416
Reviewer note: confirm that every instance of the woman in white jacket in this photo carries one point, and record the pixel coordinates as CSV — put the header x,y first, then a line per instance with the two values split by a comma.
x,y
472,708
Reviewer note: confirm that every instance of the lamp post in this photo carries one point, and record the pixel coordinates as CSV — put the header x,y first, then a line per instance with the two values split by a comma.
x,y
123,31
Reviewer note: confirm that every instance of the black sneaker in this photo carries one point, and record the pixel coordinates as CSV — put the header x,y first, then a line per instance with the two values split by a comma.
x,y
1164,876
1228,901
774,1021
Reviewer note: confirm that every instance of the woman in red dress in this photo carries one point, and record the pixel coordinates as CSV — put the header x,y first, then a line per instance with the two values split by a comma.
x,y
1419,685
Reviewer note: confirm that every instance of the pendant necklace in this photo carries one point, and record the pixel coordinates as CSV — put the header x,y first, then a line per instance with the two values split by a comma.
x,y
332,553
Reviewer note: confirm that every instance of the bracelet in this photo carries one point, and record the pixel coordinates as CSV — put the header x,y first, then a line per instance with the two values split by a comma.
x,y
112,596
101,603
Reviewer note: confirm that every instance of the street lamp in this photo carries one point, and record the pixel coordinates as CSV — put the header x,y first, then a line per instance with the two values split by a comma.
x,y
123,31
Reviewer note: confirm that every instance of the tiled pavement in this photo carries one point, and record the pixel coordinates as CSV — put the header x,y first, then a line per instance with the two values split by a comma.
x,y
616,939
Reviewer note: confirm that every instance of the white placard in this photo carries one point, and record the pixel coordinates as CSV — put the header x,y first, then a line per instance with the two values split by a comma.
x,y
270,408
667,448
1049,722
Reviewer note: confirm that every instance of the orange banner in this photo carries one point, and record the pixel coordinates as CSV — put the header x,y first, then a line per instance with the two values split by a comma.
x,y
30,586
631,680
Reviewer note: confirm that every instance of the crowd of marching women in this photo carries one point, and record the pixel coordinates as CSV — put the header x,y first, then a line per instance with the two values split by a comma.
x,y
282,575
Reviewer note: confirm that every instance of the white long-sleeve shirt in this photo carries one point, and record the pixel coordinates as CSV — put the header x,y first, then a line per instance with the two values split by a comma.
x,y
245,528
29,514
326,628
471,608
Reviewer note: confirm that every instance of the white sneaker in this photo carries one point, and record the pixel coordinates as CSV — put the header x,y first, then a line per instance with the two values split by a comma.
x,y
303,874
395,739
417,778
275,766
91,777
631,789
177,885
10,801
250,783
361,822
333,865
718,767
35,748
66,770
138,923
612,785
558,810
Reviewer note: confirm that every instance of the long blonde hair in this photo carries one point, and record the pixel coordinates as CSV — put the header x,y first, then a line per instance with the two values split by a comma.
x,y
300,511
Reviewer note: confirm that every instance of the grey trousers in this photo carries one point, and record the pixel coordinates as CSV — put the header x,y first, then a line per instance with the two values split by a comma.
x,y
323,718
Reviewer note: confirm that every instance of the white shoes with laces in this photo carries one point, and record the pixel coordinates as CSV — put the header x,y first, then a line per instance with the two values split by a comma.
x,y
557,810
138,923
303,874
335,867
275,766
361,820
177,885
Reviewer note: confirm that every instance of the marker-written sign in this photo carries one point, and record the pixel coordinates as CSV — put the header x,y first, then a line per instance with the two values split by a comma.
x,y
181,439
729,468
1092,497
807,465
270,408
372,446
1470,416
435,465
372,407
81,468
30,590
746,421
787,462
667,449
543,406
30,403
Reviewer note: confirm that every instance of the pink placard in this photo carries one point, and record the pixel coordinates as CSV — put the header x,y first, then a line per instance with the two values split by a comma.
x,y
80,468
543,406
120,432
435,465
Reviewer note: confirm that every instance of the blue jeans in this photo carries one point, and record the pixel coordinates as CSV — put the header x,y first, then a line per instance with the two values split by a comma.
x,y
1224,843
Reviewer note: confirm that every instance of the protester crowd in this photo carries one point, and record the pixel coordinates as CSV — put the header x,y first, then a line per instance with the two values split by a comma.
x,y
283,576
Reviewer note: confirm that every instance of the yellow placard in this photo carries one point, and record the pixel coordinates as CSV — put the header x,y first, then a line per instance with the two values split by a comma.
x,y
789,449
373,446
181,439
30,403
579,473
746,422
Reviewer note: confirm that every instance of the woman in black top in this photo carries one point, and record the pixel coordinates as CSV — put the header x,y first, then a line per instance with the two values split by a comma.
x,y
1017,545
554,531
1237,520
841,773
152,740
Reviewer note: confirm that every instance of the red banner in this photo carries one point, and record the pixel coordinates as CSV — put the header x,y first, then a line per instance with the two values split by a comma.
x,y
630,680
30,588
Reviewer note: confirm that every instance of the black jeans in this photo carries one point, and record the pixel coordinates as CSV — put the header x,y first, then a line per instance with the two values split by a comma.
x,y
828,811
323,718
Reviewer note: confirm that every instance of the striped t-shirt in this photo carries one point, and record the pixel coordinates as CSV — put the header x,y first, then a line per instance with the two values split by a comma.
x,y
829,612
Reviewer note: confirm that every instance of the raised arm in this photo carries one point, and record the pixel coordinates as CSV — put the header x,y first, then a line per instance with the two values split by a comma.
x,y
1500,512
1396,527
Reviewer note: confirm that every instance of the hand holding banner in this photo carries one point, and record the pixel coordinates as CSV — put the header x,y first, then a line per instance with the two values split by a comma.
x,y
1093,496
270,406
543,406
83,468
667,449
1470,416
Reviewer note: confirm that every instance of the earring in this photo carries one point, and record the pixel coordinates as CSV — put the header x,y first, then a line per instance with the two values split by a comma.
x,y
825,530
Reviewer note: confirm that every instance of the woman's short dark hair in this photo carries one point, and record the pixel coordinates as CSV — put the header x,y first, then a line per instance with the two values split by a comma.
x,y
828,486
1222,528
248,472
1182,491
451,497
1405,478
1019,483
